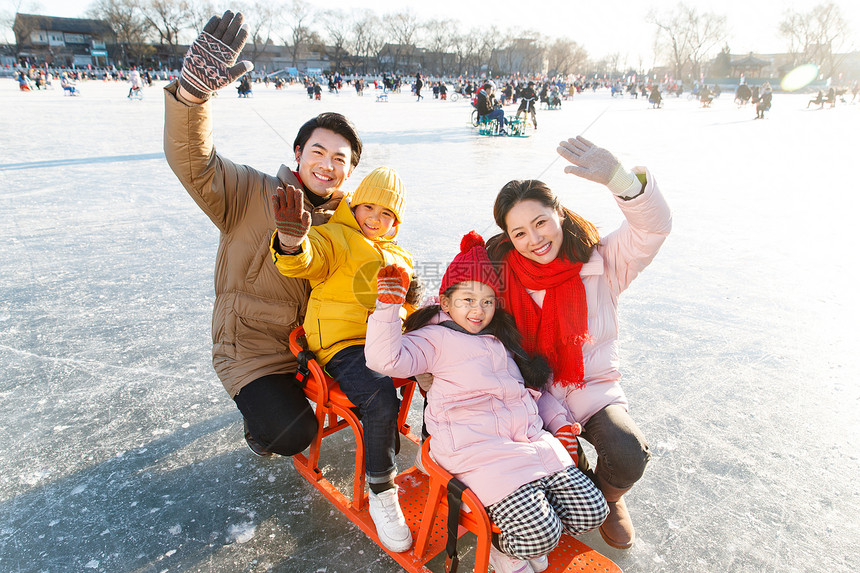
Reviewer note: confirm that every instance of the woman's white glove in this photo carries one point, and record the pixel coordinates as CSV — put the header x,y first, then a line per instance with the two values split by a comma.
x,y
599,165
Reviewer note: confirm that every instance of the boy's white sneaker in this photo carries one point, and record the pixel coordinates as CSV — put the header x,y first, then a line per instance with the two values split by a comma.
x,y
539,563
388,517
419,465
504,563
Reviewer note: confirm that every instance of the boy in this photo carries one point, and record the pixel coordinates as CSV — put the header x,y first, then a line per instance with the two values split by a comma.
x,y
341,259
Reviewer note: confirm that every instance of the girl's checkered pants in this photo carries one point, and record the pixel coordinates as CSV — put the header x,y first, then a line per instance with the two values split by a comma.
x,y
531,519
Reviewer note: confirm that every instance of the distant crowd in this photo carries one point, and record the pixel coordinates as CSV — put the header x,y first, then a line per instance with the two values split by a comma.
x,y
551,90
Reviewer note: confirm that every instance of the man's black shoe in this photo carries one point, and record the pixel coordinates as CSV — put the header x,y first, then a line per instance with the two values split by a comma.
x,y
253,444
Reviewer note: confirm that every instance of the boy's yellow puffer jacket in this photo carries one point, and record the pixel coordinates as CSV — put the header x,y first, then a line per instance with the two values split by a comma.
x,y
341,265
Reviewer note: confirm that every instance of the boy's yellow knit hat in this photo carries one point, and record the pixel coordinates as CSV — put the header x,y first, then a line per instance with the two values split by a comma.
x,y
382,186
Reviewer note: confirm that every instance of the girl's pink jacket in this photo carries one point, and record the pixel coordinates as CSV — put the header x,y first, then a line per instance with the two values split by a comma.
x,y
484,423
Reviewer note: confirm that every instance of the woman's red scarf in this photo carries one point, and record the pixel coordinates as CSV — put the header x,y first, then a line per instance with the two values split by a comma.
x,y
558,328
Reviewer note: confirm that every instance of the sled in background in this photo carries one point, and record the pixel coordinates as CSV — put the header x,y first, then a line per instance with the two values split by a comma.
x,y
515,126
423,498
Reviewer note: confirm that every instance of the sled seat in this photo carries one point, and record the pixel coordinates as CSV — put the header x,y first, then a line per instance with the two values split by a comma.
x,y
421,496
383,97
335,412
570,555
473,517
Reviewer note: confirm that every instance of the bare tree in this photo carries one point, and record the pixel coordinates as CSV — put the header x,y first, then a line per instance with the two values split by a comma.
x,y
337,33
611,63
167,18
261,18
466,47
368,37
361,41
689,37
487,39
721,67
438,36
298,27
707,32
129,25
377,39
12,8
402,27
817,36
566,57
202,11
522,51
795,28
533,53
504,57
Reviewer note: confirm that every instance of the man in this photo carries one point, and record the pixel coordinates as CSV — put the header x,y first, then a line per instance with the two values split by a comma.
x,y
527,103
487,105
134,89
256,307
419,83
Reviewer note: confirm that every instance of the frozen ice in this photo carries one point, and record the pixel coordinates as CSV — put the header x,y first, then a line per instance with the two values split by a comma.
x,y
241,532
739,343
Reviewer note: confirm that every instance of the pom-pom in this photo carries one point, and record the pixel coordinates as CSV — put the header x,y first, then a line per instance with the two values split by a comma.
x,y
470,240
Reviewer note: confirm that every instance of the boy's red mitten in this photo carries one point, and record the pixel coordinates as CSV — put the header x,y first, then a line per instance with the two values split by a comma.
x,y
392,282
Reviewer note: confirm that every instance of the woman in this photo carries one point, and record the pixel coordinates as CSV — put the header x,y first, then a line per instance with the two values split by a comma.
x,y
561,283
766,98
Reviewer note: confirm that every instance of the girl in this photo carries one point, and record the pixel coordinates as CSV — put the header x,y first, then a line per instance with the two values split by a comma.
x,y
562,283
481,407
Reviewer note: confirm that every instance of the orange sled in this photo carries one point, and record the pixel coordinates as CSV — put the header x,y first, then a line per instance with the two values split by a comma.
x,y
424,499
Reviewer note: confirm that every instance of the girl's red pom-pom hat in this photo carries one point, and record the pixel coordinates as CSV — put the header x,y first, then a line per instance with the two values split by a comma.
x,y
471,264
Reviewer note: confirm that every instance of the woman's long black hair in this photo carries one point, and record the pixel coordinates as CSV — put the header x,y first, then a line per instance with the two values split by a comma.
x,y
535,369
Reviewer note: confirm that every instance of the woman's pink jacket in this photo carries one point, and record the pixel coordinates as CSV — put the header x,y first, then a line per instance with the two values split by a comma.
x,y
619,258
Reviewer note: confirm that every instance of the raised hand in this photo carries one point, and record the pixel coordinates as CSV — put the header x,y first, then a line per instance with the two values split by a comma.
x,y
589,161
291,219
210,63
392,282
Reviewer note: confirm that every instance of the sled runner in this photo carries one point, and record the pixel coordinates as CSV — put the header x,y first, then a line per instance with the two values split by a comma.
x,y
425,499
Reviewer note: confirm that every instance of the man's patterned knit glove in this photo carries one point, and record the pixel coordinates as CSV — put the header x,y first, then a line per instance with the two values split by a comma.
x,y
291,219
392,282
210,63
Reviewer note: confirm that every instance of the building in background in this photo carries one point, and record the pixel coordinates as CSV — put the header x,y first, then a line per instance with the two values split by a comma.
x,y
58,42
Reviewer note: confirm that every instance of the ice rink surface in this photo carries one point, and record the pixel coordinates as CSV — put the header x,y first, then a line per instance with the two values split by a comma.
x,y
121,452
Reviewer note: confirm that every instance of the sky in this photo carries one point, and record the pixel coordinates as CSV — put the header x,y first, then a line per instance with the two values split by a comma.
x,y
603,28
